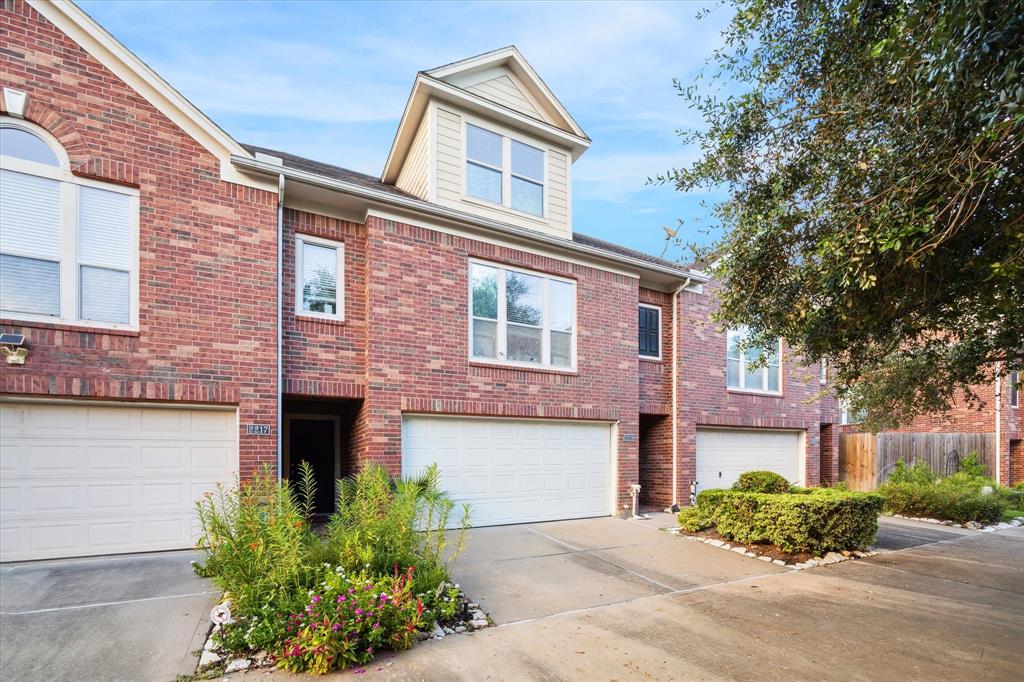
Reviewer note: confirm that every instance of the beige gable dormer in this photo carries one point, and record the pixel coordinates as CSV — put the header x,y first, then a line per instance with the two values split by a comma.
x,y
485,135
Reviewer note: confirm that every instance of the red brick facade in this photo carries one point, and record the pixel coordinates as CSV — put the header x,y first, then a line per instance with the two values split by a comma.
x,y
207,288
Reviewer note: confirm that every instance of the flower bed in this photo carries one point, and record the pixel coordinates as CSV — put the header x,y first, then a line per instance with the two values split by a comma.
x,y
966,497
374,578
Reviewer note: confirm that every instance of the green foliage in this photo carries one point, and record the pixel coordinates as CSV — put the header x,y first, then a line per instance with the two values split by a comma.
x,y
813,520
693,519
381,523
967,495
873,157
761,482
260,550
919,473
348,618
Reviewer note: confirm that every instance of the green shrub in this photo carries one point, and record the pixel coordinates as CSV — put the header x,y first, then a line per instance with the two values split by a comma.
x,y
382,523
692,519
972,467
812,520
919,473
761,482
956,501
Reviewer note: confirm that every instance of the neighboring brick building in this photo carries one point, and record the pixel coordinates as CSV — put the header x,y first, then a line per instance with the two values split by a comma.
x,y
445,312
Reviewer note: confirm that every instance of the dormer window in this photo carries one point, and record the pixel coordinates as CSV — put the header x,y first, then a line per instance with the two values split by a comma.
x,y
504,171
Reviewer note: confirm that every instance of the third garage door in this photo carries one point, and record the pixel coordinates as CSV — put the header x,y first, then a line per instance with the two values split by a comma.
x,y
514,470
724,454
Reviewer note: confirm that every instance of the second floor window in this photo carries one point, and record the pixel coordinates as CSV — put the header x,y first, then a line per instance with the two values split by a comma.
x,y
1015,389
650,331
748,370
504,171
521,317
68,245
319,272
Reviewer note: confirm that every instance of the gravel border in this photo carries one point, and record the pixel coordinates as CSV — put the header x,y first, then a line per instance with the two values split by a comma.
x,y
827,559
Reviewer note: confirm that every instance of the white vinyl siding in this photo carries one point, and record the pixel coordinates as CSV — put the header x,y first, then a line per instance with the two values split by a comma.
x,y
415,175
450,177
85,479
724,454
513,470
503,90
68,245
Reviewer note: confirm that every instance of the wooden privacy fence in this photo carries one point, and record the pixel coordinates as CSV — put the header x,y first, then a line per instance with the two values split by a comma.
x,y
866,460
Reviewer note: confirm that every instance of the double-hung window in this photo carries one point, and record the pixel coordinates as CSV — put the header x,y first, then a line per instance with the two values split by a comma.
x,y
504,171
1014,389
747,369
650,331
847,415
319,277
521,318
68,245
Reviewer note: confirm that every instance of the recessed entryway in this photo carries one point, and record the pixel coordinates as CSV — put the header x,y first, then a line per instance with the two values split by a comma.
x,y
515,470
319,432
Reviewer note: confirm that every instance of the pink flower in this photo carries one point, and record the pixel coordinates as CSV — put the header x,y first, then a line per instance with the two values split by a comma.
x,y
316,598
336,627
359,612
341,598
376,625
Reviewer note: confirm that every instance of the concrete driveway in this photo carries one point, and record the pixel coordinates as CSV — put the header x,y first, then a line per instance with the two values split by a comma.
x,y
133,617
605,599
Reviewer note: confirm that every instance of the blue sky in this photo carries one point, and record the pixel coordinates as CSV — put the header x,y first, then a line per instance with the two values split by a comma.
x,y
329,81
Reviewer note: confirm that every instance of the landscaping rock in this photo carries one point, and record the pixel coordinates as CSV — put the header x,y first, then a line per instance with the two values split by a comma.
x,y
478,624
764,558
716,543
778,562
237,666
208,659
831,558
437,632
477,614
460,629
449,631
472,606
740,550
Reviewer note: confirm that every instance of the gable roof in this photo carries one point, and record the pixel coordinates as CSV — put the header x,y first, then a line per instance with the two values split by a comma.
x,y
446,83
123,63
510,57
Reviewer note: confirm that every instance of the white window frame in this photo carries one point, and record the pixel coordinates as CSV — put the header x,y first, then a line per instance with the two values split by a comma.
x,y
69,261
844,414
742,331
300,241
506,169
652,358
501,324
822,372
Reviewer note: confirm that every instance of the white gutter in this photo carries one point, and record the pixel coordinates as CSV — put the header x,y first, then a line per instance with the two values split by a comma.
x,y
444,213
280,303
675,391
999,421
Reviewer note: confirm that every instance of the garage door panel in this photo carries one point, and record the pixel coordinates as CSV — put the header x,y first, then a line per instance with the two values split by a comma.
x,y
105,479
724,454
515,471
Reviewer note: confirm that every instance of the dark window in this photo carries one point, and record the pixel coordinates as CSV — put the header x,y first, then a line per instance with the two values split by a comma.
x,y
650,332
1015,389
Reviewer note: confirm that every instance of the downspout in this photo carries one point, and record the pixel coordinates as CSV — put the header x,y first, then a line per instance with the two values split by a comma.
x,y
280,316
999,421
675,391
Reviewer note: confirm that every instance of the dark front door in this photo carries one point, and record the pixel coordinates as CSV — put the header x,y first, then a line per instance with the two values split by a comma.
x,y
313,440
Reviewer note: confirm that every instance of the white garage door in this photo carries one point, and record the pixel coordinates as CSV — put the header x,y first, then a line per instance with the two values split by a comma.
x,y
91,479
515,471
724,454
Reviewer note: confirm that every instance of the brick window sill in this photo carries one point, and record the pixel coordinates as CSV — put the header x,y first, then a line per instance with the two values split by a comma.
x,y
518,368
758,394
69,327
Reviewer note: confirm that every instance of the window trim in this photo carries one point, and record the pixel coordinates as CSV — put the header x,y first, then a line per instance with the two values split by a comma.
x,y
501,323
743,368
69,264
1014,389
844,414
507,137
658,357
301,239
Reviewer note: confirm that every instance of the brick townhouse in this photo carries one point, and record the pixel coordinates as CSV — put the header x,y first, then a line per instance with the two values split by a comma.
x,y
194,309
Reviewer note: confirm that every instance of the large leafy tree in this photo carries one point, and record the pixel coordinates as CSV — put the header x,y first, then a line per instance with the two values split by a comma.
x,y
871,151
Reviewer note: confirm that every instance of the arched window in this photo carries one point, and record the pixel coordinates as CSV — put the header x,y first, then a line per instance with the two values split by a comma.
x,y
68,245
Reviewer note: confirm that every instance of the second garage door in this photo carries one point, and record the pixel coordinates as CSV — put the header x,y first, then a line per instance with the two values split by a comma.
x,y
86,479
724,454
515,471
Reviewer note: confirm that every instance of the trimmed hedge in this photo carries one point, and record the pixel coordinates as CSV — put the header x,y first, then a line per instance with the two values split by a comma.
x,y
945,501
761,482
815,520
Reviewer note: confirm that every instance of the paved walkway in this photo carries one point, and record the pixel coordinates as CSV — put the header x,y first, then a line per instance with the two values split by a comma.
x,y
606,599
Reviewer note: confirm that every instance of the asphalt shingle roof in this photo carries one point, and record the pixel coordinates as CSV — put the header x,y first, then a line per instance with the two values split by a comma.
x,y
363,179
